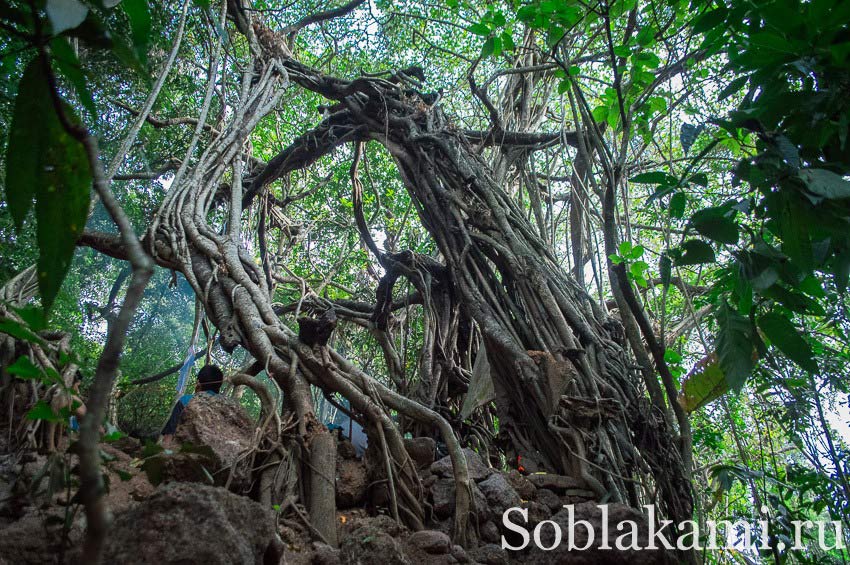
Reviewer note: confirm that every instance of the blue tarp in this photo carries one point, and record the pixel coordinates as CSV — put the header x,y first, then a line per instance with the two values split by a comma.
x,y
352,431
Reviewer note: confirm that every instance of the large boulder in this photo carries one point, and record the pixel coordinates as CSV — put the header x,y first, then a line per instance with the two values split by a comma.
x,y
221,424
36,538
373,540
193,523
499,492
478,471
127,484
443,496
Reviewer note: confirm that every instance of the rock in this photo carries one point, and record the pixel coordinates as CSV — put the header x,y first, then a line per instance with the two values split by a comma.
x,y
36,538
459,553
351,483
489,554
127,483
556,483
536,513
593,555
523,487
500,494
478,471
432,547
431,541
221,424
373,541
345,450
490,532
421,450
324,554
443,493
429,481
548,499
179,467
130,446
192,523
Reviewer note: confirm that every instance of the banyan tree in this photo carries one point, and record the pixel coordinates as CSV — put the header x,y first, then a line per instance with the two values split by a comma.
x,y
513,345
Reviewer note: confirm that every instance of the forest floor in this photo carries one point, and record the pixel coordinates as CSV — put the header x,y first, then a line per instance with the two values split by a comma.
x,y
189,517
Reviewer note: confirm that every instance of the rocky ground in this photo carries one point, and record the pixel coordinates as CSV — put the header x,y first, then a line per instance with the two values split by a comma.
x,y
190,518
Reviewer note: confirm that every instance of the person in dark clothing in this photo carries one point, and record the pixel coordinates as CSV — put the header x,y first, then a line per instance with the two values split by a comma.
x,y
210,379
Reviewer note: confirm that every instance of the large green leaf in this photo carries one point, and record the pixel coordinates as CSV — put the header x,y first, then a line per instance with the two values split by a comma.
x,y
68,63
140,25
655,177
782,333
715,223
825,183
734,346
694,252
65,14
43,159
705,383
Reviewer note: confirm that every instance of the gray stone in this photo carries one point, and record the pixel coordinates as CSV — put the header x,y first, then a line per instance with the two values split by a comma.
x,y
478,471
499,492
443,493
548,499
489,554
193,523
431,541
556,483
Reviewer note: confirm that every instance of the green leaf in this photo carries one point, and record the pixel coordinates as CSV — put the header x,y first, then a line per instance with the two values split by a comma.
x,y
688,134
42,411
694,252
788,151
65,14
23,368
734,346
637,268
42,156
709,20
19,331
479,29
488,48
507,42
625,249
32,316
665,268
715,223
825,184
782,333
655,177
622,51
677,205
705,383
732,87
700,179
615,259
68,64
140,25
497,46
